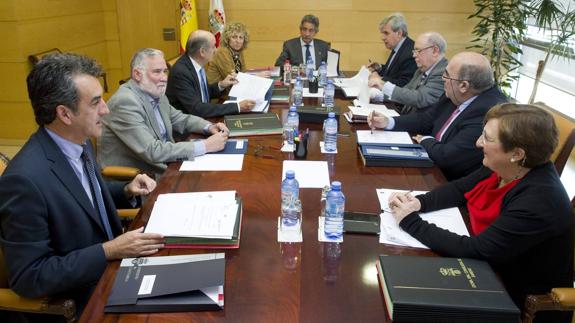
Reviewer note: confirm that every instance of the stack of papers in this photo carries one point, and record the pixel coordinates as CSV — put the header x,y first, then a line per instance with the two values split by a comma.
x,y
390,232
253,88
352,86
200,214
383,137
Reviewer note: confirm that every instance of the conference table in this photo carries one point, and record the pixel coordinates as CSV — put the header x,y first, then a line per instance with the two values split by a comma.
x,y
268,281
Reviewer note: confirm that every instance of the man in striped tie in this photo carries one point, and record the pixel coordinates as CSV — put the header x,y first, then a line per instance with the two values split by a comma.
x,y
188,89
449,129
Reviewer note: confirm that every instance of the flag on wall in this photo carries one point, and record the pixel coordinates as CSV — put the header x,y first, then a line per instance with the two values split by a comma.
x,y
188,21
217,18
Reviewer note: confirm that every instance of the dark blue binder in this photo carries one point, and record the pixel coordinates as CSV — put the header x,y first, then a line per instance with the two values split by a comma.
x,y
231,147
395,155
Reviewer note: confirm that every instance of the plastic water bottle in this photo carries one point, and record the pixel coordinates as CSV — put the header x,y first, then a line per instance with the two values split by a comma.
x,y
310,68
330,133
335,206
290,187
328,94
298,92
293,120
287,72
291,214
322,74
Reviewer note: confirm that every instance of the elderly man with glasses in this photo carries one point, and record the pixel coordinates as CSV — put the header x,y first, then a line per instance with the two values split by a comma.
x,y
425,87
449,129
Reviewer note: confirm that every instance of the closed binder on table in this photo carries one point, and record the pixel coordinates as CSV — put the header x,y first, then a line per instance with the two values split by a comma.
x,y
253,124
395,155
234,146
438,289
169,284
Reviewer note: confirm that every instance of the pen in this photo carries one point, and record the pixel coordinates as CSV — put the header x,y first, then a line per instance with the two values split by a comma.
x,y
370,117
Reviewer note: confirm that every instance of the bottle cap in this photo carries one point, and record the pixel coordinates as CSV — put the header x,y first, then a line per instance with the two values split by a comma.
x,y
293,109
331,115
336,186
290,174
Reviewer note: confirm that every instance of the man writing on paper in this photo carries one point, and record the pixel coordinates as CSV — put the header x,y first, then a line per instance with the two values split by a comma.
x,y
138,130
58,220
188,89
299,50
426,86
400,65
449,129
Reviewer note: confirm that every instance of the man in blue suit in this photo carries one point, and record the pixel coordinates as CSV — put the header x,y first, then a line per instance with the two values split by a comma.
x,y
58,220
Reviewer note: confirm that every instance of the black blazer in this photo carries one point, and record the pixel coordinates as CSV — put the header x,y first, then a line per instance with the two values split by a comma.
x,y
292,50
403,66
456,154
51,234
185,93
530,243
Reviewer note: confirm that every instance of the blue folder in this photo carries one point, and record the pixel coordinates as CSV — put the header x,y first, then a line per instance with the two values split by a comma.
x,y
394,155
231,147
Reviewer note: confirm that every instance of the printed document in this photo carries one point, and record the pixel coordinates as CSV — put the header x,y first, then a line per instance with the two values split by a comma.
x,y
390,232
383,137
214,162
197,214
312,174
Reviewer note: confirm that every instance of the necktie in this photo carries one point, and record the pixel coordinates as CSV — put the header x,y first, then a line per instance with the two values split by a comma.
x,y
439,134
307,53
97,199
159,120
389,60
203,83
421,80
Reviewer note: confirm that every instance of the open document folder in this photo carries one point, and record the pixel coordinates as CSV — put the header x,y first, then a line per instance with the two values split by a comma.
x,y
390,232
169,284
352,86
359,112
253,88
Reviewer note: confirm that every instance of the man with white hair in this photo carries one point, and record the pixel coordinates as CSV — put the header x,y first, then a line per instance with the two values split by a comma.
x,y
426,85
138,130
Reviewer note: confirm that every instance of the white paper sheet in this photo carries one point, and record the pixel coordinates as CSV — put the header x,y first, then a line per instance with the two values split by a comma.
x,y
390,232
362,109
306,93
309,174
332,61
198,214
383,137
214,162
250,87
261,105
353,86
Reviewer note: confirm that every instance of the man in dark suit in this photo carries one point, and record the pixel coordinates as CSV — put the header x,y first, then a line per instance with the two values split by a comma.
x,y
449,129
299,50
400,64
188,89
425,87
58,221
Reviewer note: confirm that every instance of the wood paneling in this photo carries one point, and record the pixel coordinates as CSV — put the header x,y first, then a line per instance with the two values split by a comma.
x,y
140,24
112,30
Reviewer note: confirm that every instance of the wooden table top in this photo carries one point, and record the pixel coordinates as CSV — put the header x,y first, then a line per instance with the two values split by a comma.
x,y
268,281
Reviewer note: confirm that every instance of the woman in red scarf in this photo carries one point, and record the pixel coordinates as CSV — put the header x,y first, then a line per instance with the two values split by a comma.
x,y
520,214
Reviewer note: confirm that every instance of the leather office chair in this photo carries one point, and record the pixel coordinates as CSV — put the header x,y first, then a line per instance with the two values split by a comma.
x,y
566,127
558,299
10,301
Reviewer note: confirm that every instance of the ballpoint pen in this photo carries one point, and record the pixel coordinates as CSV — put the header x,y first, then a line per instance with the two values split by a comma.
x,y
370,117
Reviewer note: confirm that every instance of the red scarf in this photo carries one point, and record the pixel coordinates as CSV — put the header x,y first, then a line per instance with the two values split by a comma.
x,y
484,202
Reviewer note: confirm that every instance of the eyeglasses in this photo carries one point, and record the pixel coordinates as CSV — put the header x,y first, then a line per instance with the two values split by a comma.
x,y
484,139
416,51
447,77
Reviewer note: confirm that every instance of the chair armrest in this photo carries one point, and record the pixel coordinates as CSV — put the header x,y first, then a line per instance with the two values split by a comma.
x,y
11,301
128,213
565,296
120,172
